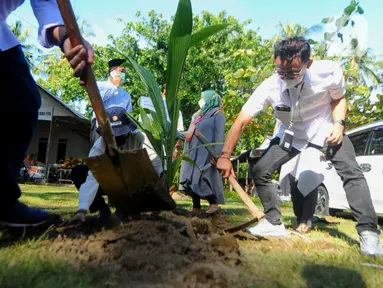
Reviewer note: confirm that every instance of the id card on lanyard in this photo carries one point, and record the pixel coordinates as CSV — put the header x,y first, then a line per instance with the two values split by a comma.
x,y
286,141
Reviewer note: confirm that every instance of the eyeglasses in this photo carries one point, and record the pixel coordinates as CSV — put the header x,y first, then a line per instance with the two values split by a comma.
x,y
289,74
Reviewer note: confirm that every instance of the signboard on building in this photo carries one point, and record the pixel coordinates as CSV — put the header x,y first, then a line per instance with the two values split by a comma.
x,y
46,113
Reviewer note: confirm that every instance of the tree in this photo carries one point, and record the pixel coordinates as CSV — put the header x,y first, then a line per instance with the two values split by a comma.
x,y
212,64
361,71
146,41
56,75
205,67
254,66
295,30
31,52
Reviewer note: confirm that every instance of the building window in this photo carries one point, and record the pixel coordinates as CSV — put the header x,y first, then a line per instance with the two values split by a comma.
x,y
61,150
42,150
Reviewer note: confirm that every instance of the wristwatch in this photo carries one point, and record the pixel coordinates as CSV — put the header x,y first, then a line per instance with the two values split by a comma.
x,y
341,122
63,35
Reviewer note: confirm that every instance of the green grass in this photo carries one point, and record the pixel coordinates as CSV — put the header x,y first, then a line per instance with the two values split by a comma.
x,y
56,199
327,257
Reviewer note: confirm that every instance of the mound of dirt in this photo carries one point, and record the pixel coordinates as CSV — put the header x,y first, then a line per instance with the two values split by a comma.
x,y
161,250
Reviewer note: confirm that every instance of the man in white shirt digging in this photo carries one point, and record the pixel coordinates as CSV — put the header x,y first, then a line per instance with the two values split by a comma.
x,y
314,91
127,138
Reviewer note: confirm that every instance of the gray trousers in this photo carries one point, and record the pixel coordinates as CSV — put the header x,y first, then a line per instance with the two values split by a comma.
x,y
343,159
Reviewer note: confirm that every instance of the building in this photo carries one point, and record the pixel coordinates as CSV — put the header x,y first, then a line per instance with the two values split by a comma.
x,y
61,131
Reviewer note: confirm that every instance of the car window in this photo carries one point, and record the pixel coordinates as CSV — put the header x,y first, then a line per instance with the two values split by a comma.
x,y
377,142
359,140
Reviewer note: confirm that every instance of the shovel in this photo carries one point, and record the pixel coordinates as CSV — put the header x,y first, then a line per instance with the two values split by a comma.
x,y
127,177
254,211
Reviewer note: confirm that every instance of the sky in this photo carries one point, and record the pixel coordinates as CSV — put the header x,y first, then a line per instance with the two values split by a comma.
x,y
265,15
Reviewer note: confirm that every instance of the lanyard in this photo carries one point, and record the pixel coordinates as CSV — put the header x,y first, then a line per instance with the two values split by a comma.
x,y
293,107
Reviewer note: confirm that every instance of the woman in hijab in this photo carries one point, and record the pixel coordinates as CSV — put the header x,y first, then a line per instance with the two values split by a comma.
x,y
204,182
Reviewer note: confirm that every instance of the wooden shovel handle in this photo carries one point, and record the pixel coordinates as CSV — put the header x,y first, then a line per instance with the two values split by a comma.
x,y
245,198
88,77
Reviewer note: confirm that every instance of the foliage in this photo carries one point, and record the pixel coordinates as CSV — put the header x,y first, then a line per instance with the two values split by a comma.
x,y
362,109
146,41
234,62
253,67
361,71
295,30
32,54
161,134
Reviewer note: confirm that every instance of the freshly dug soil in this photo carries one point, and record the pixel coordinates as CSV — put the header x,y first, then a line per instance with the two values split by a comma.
x,y
167,249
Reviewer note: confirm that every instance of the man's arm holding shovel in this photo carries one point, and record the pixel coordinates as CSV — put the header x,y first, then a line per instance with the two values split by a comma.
x,y
224,164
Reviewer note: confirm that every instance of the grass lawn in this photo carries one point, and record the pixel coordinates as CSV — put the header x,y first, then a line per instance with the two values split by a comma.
x,y
327,257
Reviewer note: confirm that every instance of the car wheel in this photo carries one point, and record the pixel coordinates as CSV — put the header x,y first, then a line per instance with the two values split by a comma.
x,y
322,207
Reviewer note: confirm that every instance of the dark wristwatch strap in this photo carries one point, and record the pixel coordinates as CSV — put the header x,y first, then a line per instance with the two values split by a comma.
x,y
63,37
341,122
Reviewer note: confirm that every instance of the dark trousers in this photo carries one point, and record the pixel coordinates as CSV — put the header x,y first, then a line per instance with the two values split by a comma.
x,y
304,207
212,199
21,101
78,176
343,159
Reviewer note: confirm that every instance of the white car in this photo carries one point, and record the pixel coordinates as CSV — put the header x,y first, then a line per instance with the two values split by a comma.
x,y
368,144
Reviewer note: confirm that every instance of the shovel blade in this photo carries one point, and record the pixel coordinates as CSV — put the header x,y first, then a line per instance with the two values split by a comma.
x,y
131,182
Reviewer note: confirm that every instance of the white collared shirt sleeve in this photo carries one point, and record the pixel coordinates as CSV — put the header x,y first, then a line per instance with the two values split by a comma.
x,y
259,99
180,124
48,15
89,188
337,88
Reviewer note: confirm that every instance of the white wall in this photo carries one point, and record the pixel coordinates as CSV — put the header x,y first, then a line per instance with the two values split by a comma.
x,y
59,109
77,145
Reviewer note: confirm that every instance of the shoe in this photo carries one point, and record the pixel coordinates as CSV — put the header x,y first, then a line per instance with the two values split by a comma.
x,y
265,229
104,214
195,212
213,209
20,215
304,226
370,244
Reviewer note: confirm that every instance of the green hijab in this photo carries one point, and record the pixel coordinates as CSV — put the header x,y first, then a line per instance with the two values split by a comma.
x,y
212,100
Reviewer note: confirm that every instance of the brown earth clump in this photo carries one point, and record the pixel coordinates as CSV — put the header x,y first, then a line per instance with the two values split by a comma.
x,y
167,249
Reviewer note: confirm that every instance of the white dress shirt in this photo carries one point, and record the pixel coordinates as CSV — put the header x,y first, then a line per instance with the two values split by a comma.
x,y
113,96
310,103
180,124
301,168
46,13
